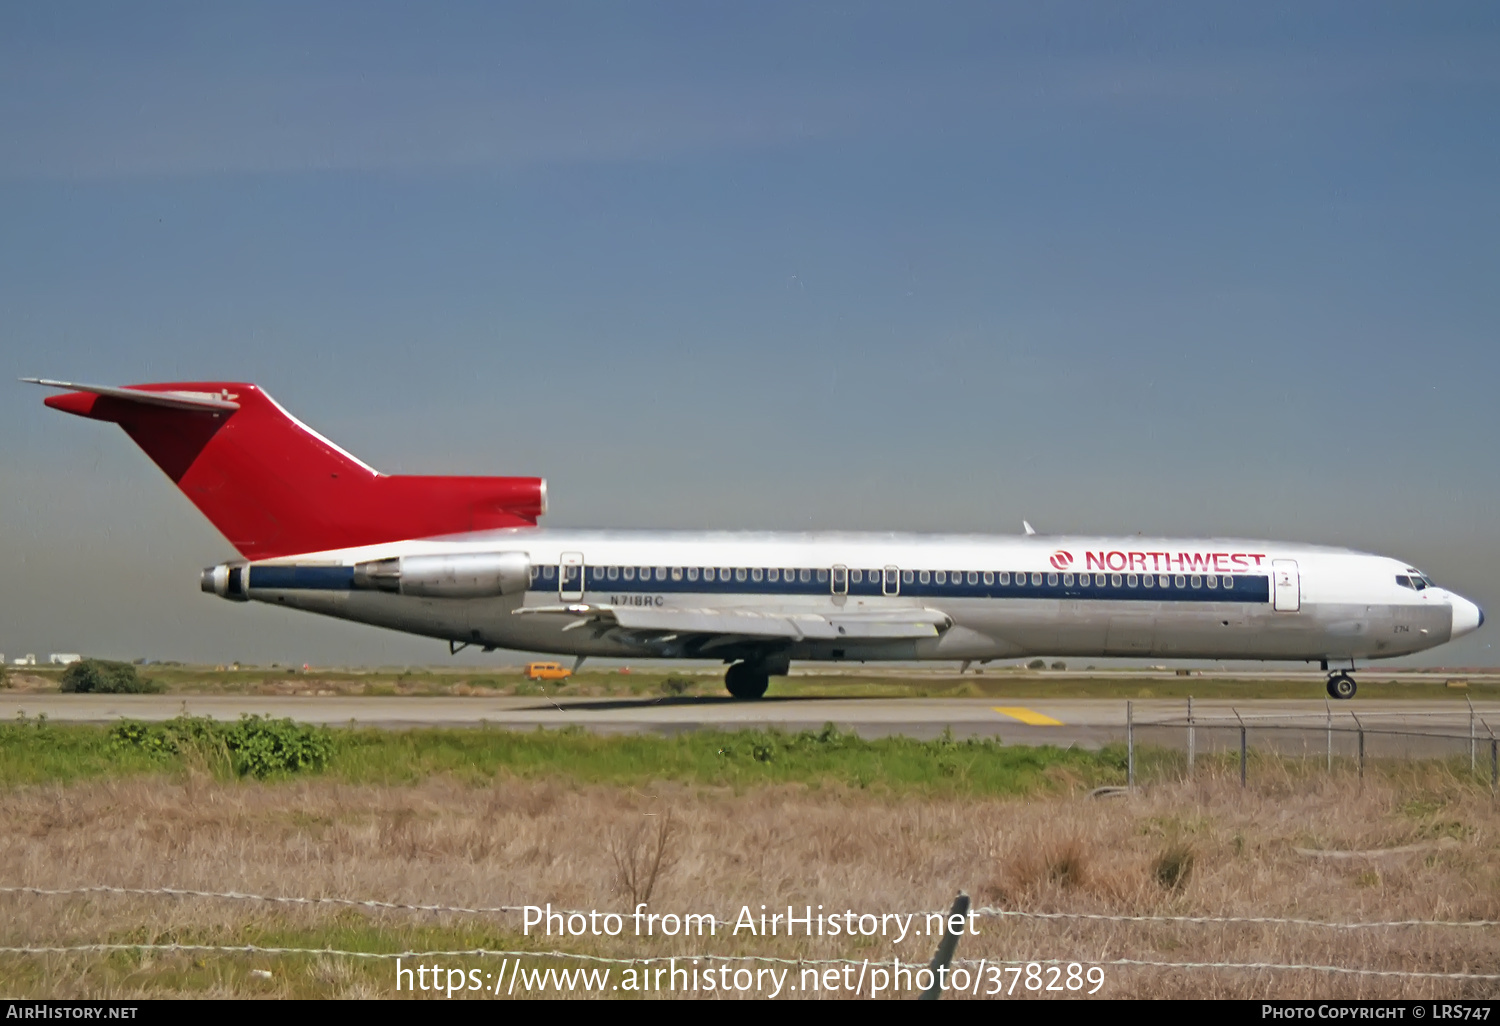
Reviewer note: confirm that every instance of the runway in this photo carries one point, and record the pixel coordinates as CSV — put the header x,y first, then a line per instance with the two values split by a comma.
x,y
1075,721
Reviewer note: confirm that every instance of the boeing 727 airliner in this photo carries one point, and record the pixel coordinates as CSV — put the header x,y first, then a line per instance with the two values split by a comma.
x,y
461,559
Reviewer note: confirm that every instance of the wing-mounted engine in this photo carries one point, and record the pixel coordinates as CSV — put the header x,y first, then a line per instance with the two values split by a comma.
x,y
459,575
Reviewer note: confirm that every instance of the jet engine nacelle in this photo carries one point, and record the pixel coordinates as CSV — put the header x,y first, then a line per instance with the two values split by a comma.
x,y
461,575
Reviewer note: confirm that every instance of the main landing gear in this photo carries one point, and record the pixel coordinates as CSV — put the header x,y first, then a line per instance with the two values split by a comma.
x,y
746,681
1341,685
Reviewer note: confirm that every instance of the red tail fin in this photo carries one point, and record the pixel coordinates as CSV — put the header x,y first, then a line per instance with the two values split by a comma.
x,y
275,487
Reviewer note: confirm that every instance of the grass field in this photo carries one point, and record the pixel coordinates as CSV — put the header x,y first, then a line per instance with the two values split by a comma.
x,y
1427,845
884,682
713,822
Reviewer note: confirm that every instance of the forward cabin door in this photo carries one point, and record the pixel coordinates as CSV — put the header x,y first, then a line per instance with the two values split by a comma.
x,y
1286,586
570,576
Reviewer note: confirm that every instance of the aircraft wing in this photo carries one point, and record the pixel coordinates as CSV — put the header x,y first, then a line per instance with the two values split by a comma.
x,y
745,625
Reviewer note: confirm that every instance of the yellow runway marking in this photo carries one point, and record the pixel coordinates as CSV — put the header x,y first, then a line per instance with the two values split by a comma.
x,y
1036,719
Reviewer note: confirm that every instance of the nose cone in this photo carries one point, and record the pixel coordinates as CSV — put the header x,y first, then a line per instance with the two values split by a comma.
x,y
1466,616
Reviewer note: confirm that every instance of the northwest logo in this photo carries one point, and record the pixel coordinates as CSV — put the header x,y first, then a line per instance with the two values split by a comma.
x,y
1062,559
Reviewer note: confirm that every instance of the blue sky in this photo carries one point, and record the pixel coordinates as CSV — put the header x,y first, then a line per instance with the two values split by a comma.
x,y
1196,268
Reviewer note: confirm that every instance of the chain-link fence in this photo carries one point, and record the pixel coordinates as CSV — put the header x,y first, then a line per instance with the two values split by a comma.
x,y
1332,741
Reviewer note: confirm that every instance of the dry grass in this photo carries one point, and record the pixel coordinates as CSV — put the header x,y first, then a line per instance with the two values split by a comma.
x,y
1204,848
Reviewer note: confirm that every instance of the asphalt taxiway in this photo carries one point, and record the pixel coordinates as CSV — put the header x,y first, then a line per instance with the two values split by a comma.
x,y
1068,721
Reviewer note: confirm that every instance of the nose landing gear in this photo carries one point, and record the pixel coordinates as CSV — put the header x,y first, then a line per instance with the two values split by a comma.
x,y
1341,686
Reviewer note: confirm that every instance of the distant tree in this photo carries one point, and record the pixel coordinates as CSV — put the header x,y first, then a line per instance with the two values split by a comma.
x,y
1037,664
101,676
1059,665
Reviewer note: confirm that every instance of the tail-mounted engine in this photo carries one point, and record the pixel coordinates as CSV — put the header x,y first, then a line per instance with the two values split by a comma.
x,y
462,575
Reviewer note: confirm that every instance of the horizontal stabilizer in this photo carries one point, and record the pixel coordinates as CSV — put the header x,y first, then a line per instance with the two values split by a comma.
x,y
171,400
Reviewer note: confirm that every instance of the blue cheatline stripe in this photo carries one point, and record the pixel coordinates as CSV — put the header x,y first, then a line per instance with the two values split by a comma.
x,y
1245,588
307,578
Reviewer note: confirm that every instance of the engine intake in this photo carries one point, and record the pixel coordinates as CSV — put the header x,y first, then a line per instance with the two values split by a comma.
x,y
465,575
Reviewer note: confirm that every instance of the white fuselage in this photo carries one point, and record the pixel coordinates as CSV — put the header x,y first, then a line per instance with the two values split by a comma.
x,y
867,596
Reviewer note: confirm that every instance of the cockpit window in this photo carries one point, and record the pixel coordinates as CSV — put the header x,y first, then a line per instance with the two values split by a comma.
x,y
1404,581
1415,580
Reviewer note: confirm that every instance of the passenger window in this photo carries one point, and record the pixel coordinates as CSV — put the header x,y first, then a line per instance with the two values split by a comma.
x,y
906,577
973,577
739,573
1005,577
614,573
1068,580
1181,581
1131,580
1212,580
924,577
1197,581
629,573
1036,580
989,577
939,577
822,576
804,575
1115,580
677,573
1052,579
1149,581
692,573
548,572
598,573
756,574
724,574
645,573
1229,582
856,576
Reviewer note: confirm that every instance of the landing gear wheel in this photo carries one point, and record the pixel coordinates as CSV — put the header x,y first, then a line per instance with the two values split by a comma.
x,y
1341,686
743,682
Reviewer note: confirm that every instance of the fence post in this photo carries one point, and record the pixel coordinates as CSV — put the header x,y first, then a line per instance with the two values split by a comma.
x,y
1361,727
946,947
1243,745
1329,710
1192,738
1494,759
1471,734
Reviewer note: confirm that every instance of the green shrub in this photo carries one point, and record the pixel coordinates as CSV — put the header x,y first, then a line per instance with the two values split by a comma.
x,y
257,747
262,747
104,677
1037,664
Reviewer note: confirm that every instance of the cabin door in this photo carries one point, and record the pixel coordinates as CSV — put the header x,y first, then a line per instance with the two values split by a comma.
x,y
570,576
1286,586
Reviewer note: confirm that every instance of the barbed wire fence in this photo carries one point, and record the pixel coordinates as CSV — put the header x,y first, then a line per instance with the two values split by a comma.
x,y
987,912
